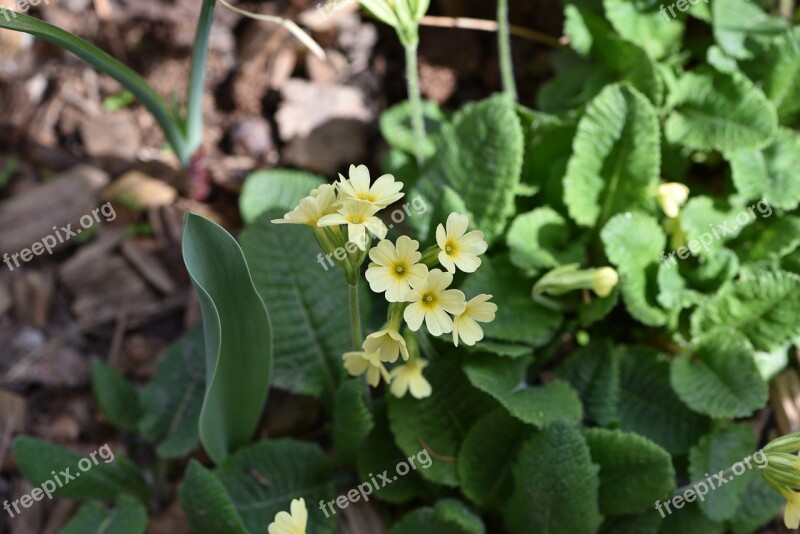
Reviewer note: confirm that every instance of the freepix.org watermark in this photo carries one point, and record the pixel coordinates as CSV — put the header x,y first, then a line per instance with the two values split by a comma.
x,y
682,5
10,10
728,227
49,242
365,489
399,215
59,480
699,490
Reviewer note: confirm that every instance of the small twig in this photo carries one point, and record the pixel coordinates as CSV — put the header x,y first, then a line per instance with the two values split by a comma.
x,y
289,25
484,25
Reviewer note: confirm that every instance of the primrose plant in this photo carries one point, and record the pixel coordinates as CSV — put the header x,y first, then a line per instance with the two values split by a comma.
x,y
344,216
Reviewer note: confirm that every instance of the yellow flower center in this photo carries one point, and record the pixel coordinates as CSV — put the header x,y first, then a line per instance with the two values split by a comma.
x,y
450,248
369,197
428,300
356,219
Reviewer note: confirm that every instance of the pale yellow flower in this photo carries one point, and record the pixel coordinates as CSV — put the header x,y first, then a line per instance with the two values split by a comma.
x,y
431,301
791,514
383,192
408,377
294,523
358,363
465,325
388,343
603,281
359,217
395,269
671,196
459,249
322,201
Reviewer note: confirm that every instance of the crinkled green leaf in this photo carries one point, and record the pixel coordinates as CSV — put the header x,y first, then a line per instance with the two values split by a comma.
x,y
764,309
616,158
643,24
238,337
774,238
720,377
711,224
777,69
396,127
714,453
504,379
633,243
716,111
758,506
171,402
352,420
540,239
481,159
439,422
519,319
311,332
769,175
668,422
485,475
262,480
594,371
126,516
448,516
634,471
646,523
689,518
116,396
737,22
275,189
555,484
207,504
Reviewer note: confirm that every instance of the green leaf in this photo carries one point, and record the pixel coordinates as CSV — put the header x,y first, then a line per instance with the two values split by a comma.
x,y
396,127
448,516
116,396
504,379
616,157
716,111
438,423
689,519
310,333
127,516
769,175
633,243
778,72
540,239
172,401
668,422
644,25
485,475
720,378
737,22
773,239
555,484
646,523
758,506
206,502
634,471
37,459
594,372
481,159
238,337
263,479
275,189
763,308
352,420
714,453
107,65
707,221
519,319
379,452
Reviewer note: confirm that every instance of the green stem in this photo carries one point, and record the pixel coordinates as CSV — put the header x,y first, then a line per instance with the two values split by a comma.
x,y
194,94
355,316
415,101
504,49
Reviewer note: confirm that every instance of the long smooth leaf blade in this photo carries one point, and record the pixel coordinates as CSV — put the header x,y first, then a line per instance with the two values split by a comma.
x,y
238,337
105,63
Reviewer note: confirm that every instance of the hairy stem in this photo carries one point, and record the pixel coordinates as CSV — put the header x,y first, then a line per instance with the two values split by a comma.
x,y
355,316
415,101
504,49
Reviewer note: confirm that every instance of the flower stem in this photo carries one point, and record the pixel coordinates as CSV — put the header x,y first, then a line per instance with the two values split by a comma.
x,y
415,101
355,316
194,99
504,49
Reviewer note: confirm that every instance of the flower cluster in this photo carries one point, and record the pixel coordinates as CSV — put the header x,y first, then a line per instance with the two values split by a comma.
x,y
782,473
416,290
